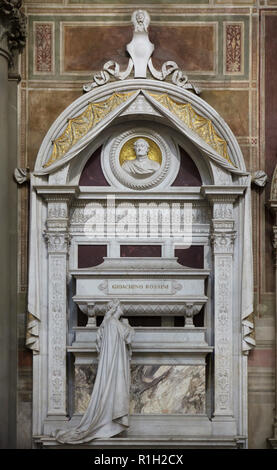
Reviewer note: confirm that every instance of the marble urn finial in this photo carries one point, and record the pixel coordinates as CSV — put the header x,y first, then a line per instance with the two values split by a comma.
x,y
140,48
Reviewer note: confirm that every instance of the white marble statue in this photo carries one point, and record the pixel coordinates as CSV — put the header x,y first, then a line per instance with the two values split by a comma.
x,y
141,166
108,409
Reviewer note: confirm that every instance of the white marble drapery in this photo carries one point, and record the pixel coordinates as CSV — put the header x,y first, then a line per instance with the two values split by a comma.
x,y
108,409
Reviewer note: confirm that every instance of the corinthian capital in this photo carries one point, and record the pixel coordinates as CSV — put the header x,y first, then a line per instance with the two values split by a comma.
x,y
223,242
12,26
57,242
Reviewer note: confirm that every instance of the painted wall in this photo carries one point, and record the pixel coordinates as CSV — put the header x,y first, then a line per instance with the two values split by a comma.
x,y
226,48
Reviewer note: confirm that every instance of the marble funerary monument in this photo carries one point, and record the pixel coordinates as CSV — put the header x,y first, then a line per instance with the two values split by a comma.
x,y
140,194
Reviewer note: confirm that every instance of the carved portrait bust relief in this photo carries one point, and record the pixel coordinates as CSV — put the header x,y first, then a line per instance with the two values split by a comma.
x,y
141,166
139,158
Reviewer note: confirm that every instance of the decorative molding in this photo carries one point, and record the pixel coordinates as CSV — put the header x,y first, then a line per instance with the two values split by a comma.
x,y
223,211
57,334
79,126
145,308
234,48
223,335
103,286
85,215
43,47
57,242
223,242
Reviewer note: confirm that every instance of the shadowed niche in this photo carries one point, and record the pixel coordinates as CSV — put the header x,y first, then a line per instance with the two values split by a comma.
x,y
92,174
188,174
192,257
140,250
91,255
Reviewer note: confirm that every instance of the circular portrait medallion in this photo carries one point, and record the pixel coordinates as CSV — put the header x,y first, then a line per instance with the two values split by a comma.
x,y
138,158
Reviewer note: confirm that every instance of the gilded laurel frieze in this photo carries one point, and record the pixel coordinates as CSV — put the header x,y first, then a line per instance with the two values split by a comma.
x,y
79,126
201,126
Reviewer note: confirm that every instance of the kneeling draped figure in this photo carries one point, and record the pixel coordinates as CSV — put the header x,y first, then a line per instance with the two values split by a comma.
x,y
108,409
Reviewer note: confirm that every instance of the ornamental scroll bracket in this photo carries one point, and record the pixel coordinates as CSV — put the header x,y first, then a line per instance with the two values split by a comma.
x,y
140,50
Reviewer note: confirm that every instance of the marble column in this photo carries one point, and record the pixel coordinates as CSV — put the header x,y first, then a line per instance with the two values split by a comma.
x,y
223,237
58,240
12,39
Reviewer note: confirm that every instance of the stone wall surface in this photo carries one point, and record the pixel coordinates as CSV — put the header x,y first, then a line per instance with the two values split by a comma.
x,y
228,48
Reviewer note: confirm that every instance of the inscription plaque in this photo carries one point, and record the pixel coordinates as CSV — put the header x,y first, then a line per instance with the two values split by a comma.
x,y
142,286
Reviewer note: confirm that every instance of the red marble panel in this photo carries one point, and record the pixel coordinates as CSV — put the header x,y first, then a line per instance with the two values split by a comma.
x,y
91,255
193,257
92,174
188,174
140,250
